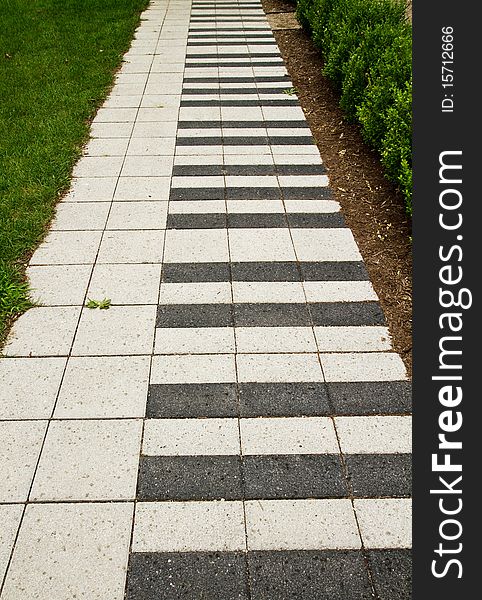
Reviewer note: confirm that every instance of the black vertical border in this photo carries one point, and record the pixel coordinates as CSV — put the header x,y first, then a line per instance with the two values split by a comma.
x,y
435,132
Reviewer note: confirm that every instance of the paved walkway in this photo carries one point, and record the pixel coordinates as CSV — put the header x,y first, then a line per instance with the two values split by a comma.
x,y
236,425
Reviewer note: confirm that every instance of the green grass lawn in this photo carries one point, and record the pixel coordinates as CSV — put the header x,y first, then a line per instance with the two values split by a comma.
x,y
57,60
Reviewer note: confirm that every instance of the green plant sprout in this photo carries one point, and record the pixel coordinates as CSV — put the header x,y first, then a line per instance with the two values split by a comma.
x,y
102,304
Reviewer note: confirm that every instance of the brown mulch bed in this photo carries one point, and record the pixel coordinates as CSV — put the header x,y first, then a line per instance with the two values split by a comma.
x,y
373,207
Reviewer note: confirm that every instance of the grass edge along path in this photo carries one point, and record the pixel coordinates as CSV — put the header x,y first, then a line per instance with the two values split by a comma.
x,y
57,64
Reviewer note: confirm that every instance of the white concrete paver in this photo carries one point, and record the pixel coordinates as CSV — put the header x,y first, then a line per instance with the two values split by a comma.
x,y
68,248
195,293
194,340
261,245
83,216
10,514
278,367
71,550
273,291
20,446
393,513
204,245
189,526
125,283
288,435
352,339
363,367
122,330
91,189
325,245
88,460
59,285
135,247
44,331
339,291
29,387
191,437
143,188
120,388
195,368
296,524
389,434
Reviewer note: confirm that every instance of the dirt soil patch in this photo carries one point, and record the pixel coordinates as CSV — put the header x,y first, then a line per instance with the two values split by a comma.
x,y
285,20
373,207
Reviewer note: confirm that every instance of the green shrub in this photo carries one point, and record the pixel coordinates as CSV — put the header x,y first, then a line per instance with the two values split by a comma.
x,y
313,14
367,51
387,75
346,27
304,14
396,146
366,65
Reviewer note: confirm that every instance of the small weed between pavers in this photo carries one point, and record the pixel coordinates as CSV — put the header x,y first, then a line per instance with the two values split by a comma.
x,y
102,304
290,91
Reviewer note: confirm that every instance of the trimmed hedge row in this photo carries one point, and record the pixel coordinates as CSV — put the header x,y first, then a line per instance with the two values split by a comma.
x,y
367,51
